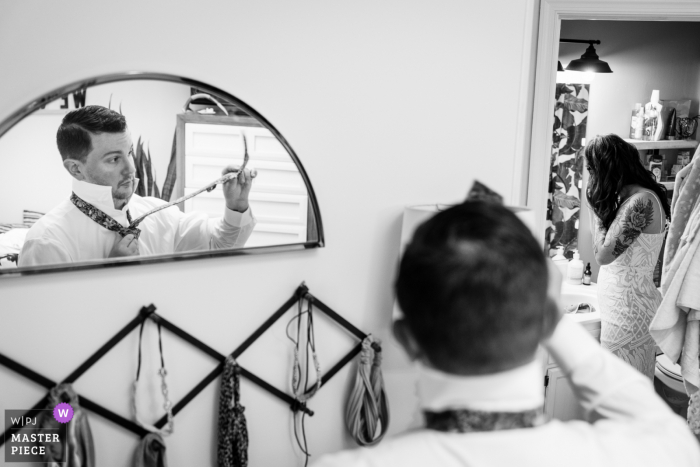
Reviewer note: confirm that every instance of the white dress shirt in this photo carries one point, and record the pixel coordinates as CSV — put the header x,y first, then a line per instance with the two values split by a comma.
x,y
632,427
66,235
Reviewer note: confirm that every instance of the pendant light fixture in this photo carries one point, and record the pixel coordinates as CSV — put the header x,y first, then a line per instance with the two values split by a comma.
x,y
589,61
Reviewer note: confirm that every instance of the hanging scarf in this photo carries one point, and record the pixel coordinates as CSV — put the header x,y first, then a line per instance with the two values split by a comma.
x,y
469,421
151,452
233,433
80,446
103,219
367,413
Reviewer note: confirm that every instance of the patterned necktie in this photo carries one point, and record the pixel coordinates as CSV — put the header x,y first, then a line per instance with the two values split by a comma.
x,y
470,421
103,219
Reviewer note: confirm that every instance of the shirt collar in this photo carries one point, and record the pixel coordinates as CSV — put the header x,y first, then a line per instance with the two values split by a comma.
x,y
99,196
514,390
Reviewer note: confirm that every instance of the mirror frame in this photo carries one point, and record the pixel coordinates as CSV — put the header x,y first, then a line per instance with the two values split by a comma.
x,y
36,104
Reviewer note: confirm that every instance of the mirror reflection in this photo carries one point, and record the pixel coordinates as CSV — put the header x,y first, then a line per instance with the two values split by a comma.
x,y
144,168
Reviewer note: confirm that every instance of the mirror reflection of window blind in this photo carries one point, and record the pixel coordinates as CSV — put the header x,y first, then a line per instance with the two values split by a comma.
x,y
278,197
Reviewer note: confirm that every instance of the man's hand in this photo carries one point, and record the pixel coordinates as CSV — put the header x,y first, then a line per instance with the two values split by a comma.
x,y
127,246
236,191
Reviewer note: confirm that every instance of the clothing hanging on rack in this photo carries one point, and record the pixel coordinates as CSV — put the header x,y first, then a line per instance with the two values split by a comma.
x,y
367,412
80,446
167,405
151,452
676,325
302,392
233,432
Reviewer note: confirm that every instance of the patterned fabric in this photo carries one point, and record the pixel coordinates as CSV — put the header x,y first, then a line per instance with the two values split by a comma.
x,y
470,421
80,445
687,194
564,199
103,219
233,432
694,413
7,227
628,301
151,452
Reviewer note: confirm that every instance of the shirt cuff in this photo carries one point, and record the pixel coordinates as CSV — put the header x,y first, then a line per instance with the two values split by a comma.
x,y
238,219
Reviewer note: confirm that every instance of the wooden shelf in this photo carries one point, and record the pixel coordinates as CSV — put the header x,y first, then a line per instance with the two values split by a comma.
x,y
664,144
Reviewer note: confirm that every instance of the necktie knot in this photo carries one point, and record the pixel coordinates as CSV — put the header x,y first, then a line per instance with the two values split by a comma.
x,y
103,219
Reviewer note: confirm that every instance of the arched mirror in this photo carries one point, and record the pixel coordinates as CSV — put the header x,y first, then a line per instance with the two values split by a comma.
x,y
90,171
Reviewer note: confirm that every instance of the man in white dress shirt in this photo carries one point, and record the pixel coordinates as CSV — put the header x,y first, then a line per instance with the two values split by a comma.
x,y
97,151
473,287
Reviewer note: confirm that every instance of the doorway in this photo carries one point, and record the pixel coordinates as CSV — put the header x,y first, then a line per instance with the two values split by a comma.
x,y
610,111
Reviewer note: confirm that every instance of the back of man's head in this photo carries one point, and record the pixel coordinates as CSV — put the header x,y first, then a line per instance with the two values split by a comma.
x,y
73,136
472,285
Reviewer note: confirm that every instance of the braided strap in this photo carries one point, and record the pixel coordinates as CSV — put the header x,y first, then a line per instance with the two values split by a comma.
x,y
367,412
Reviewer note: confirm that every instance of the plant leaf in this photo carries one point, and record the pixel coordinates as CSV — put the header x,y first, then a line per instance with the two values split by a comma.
x,y
565,201
574,104
171,175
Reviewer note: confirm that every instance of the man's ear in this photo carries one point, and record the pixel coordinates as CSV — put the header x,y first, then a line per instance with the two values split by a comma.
x,y
75,168
403,334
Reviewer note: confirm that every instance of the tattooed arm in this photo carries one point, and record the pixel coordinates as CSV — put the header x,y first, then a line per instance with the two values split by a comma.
x,y
631,220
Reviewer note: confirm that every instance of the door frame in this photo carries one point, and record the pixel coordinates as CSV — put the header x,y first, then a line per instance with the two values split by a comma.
x,y
552,12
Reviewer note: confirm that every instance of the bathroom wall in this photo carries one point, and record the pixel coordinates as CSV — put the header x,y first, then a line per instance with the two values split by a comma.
x,y
387,104
643,56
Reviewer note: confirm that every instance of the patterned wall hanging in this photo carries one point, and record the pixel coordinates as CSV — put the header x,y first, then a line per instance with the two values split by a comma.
x,y
564,201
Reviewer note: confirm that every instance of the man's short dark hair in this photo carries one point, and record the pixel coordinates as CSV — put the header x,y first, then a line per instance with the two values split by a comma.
x,y
73,136
472,285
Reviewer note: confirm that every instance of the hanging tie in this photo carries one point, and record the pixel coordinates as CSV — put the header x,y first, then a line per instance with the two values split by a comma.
x,y
367,413
233,432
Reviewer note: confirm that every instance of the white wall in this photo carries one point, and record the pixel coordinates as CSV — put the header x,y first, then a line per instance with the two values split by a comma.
x,y
643,55
386,103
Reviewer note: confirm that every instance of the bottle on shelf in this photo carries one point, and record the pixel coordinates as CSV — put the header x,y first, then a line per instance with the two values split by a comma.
x,y
653,126
560,261
587,275
656,167
637,122
574,270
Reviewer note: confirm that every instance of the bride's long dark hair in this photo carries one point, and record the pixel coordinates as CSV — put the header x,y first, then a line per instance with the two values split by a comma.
x,y
612,164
